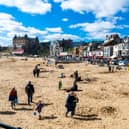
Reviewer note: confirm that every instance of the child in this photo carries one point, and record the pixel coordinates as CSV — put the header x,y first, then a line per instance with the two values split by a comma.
x,y
39,108
60,85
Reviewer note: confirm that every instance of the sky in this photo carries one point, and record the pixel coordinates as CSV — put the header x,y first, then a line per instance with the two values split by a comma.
x,y
79,20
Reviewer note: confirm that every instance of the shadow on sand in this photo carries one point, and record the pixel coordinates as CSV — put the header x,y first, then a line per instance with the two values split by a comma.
x,y
45,104
91,117
48,117
106,72
89,80
23,109
42,77
23,104
7,113
68,90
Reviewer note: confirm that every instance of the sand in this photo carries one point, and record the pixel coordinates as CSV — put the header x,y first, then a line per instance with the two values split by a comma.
x,y
103,101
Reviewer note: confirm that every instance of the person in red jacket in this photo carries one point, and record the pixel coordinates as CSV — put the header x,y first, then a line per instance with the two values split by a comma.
x,y
13,97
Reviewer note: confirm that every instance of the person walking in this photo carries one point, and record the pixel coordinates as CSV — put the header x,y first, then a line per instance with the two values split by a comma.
x,y
13,97
71,103
60,85
36,70
76,75
110,65
29,89
38,108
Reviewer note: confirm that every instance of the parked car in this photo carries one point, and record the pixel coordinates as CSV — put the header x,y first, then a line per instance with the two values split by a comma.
x,y
123,62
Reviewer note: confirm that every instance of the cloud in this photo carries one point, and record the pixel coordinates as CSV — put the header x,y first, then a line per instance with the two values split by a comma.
x,y
97,29
65,19
57,1
100,8
28,6
61,36
54,30
9,27
122,26
95,26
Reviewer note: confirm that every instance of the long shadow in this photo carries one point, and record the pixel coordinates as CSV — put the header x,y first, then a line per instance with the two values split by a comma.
x,y
106,72
42,77
48,117
44,71
24,109
7,113
84,82
89,80
91,117
67,90
5,126
45,104
23,104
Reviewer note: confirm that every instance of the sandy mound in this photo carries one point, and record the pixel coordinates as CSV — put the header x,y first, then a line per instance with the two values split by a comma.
x,y
108,111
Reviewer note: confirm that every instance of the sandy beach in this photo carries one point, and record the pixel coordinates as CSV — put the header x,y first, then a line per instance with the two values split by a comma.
x,y
103,101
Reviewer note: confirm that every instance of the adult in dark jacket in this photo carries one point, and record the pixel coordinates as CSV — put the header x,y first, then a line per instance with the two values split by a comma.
x,y
29,89
71,102
36,70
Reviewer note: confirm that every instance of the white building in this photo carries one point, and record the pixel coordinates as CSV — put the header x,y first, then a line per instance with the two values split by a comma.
x,y
113,48
117,49
55,48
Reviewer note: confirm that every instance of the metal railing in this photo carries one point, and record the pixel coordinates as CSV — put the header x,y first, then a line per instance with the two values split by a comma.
x,y
8,126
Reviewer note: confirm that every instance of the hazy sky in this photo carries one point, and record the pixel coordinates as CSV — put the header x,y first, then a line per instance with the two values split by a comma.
x,y
57,19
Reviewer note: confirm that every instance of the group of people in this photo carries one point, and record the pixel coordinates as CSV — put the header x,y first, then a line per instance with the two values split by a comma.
x,y
13,97
70,105
71,100
29,90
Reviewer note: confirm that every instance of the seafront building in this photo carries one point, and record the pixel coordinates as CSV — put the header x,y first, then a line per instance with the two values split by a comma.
x,y
25,44
113,46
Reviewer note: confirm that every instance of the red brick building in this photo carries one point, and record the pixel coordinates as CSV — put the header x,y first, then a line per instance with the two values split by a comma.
x,y
29,45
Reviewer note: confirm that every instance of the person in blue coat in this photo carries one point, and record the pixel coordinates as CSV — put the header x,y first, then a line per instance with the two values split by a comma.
x,y
71,103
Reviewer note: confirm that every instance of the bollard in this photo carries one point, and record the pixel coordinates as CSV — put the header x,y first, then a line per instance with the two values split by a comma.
x,y
128,67
8,126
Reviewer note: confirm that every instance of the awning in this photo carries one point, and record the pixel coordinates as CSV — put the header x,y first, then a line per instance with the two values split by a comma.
x,y
113,56
18,51
63,54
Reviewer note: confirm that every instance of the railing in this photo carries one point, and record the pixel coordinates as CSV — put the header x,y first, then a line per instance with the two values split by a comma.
x,y
8,126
